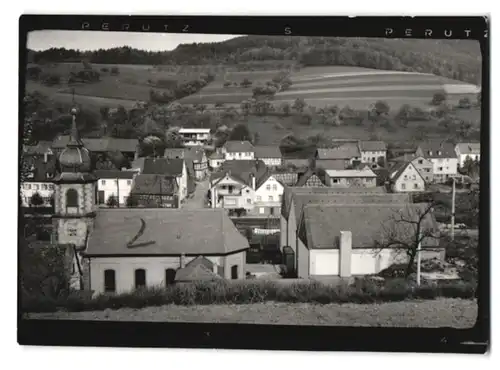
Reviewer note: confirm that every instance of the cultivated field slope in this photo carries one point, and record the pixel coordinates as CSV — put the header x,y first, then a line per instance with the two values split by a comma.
x,y
455,313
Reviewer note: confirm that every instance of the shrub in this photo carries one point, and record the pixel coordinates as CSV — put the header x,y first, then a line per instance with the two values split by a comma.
x,y
115,71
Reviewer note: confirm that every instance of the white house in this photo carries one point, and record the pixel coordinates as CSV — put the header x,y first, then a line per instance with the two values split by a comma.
x,y
135,248
39,181
268,196
114,183
345,240
468,150
443,157
195,136
373,151
404,177
238,150
215,160
270,155
364,178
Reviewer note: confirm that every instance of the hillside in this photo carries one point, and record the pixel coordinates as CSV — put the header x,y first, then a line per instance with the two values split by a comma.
x,y
457,59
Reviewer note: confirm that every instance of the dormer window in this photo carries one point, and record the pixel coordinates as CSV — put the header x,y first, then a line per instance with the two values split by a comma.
x,y
439,152
430,152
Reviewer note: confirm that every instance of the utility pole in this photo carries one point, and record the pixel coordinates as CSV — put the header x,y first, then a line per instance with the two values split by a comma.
x,y
419,259
453,210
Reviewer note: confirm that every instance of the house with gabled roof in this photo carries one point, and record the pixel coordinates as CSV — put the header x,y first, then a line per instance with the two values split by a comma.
x,y
443,157
344,240
268,195
364,178
423,165
404,177
466,151
373,151
135,248
238,150
309,179
194,136
195,157
154,191
39,180
114,183
233,185
341,156
270,155
174,168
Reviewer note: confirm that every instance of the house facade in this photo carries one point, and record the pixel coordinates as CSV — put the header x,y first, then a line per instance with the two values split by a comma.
x,y
423,165
232,192
443,157
195,136
195,156
270,155
40,180
404,177
268,196
341,156
373,151
114,183
154,191
340,240
215,160
167,244
466,151
174,168
238,150
364,178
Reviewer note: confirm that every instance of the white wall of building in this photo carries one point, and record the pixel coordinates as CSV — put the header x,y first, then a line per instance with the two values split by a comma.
x,y
272,162
409,181
155,267
443,167
115,187
228,156
324,262
269,193
367,156
28,188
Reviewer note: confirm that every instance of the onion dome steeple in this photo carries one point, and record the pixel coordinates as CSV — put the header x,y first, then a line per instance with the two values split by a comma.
x,y
75,158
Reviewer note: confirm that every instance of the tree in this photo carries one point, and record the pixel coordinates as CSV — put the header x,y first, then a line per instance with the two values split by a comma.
x,y
240,132
464,103
227,84
285,107
438,98
407,230
471,168
36,200
112,201
381,108
246,83
115,71
299,105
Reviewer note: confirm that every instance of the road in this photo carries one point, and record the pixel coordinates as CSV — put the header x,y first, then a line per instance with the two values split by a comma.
x,y
198,200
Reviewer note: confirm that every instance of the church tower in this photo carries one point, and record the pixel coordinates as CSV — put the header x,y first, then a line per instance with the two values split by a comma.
x,y
75,193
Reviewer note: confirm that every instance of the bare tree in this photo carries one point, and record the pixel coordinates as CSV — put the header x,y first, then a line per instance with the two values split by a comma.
x,y
408,230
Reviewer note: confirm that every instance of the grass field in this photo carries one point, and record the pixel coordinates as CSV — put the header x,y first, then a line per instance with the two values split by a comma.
x,y
455,313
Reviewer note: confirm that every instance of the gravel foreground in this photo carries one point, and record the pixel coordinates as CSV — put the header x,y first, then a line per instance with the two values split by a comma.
x,y
455,313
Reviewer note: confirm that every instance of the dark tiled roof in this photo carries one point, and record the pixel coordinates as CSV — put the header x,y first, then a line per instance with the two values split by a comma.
x,y
163,166
368,223
164,232
242,171
397,169
40,148
267,152
193,153
437,150
290,191
303,178
332,164
154,185
297,162
372,146
286,178
238,146
114,174
41,171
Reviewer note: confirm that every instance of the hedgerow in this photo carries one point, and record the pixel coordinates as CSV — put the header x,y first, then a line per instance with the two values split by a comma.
x,y
245,292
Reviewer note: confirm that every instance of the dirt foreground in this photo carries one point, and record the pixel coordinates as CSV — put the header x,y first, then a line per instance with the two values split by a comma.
x,y
455,313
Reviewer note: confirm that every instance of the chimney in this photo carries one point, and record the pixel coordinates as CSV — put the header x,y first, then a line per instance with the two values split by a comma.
x,y
345,250
182,261
45,157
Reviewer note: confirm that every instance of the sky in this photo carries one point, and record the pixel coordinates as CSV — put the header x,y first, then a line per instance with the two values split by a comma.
x,y
93,40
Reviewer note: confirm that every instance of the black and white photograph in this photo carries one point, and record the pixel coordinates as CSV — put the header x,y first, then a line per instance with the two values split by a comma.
x,y
236,178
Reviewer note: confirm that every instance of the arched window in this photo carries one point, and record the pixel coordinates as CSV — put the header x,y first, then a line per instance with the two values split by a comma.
x,y
234,272
169,276
109,281
140,278
71,198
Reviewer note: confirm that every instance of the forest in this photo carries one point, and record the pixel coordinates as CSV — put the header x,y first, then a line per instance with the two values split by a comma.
x,y
456,59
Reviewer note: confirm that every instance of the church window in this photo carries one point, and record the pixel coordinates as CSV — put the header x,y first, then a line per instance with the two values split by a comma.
x,y
71,198
140,278
109,281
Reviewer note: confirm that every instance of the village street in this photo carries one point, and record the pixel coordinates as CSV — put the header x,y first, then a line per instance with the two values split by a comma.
x,y
198,199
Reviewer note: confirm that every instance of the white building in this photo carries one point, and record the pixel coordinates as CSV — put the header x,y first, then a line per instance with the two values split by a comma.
x,y
268,196
405,178
215,160
468,150
238,150
114,183
443,157
195,136
270,155
39,181
339,240
166,243
373,151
